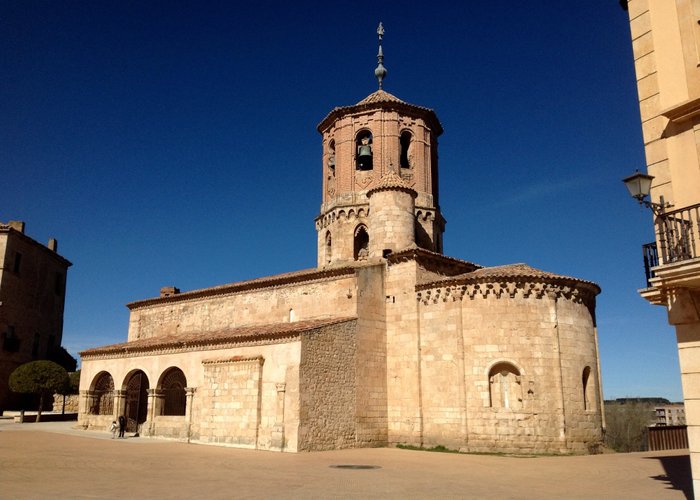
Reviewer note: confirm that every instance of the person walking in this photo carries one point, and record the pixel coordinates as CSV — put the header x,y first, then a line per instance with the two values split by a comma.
x,y
113,429
122,426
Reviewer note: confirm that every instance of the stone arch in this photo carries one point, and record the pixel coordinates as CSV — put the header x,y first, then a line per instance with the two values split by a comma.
x,y
505,388
172,385
328,247
586,388
136,399
363,149
102,394
361,243
405,142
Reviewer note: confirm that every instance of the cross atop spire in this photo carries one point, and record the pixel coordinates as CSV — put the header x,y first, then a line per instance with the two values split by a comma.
x,y
380,72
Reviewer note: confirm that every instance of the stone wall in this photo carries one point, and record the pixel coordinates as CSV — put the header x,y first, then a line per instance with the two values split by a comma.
x,y
327,372
391,221
486,370
306,300
71,403
230,402
371,367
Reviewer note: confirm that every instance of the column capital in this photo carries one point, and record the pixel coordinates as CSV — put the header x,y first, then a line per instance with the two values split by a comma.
x,y
189,391
281,387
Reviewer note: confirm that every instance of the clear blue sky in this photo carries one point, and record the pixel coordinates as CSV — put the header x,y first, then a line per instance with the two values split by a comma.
x,y
175,143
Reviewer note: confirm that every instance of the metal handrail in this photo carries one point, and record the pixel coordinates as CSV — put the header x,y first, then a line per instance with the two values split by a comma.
x,y
678,234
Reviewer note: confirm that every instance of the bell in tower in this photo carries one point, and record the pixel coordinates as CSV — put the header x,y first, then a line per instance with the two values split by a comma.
x,y
364,151
378,155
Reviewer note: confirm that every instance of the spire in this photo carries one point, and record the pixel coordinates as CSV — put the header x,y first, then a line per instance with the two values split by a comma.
x,y
380,72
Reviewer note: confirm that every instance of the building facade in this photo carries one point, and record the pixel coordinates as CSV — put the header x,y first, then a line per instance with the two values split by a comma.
x,y
387,341
32,298
666,46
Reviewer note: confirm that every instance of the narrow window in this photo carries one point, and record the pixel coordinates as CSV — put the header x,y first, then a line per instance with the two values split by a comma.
x,y
584,386
361,243
363,145
504,386
329,247
10,341
18,263
58,284
331,157
405,144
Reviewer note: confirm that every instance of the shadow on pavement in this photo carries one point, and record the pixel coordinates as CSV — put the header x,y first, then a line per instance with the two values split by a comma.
x,y
677,473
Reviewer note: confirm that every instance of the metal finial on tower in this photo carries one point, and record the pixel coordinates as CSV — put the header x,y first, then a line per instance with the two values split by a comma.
x,y
380,72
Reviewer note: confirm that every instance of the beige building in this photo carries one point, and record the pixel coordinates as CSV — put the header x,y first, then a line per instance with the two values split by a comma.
x,y
32,297
666,45
386,341
670,414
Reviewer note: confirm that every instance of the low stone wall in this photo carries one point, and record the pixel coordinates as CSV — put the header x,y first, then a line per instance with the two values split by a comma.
x,y
71,403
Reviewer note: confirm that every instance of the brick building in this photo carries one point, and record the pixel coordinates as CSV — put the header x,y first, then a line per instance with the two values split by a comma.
x,y
386,341
32,297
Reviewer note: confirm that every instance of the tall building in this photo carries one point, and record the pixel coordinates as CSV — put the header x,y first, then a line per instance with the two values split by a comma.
x,y
666,46
32,297
386,341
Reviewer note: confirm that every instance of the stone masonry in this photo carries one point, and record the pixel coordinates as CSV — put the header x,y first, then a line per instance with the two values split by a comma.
x,y
386,342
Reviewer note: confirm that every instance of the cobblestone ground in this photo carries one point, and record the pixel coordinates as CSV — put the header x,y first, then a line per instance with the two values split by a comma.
x,y
52,460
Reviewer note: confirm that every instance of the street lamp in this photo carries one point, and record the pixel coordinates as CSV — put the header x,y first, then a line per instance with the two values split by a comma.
x,y
639,186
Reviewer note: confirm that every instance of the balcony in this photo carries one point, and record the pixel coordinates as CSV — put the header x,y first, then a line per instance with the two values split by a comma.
x,y
677,234
651,260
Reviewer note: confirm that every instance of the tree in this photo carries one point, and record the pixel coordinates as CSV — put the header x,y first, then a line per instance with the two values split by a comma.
x,y
39,377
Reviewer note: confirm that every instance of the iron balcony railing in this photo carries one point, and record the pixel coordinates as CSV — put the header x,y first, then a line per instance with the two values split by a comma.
x,y
678,235
651,260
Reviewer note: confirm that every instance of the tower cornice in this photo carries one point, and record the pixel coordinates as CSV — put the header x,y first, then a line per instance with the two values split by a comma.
x,y
386,101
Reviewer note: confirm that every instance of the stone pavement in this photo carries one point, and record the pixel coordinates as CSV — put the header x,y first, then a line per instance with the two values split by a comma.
x,y
54,460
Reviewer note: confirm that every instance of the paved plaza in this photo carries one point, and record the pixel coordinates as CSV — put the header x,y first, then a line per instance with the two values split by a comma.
x,y
53,460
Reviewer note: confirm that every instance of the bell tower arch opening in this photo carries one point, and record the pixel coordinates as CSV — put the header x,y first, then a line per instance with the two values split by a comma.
x,y
363,146
404,145
361,243
378,142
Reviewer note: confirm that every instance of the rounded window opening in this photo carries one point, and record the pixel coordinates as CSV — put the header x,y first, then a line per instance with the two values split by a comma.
x,y
504,386
363,146
404,146
102,401
361,243
331,156
585,376
172,386
136,403
329,247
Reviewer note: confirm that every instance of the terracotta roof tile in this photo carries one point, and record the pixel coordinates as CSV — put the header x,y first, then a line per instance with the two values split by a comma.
x,y
233,335
257,283
380,96
391,180
513,271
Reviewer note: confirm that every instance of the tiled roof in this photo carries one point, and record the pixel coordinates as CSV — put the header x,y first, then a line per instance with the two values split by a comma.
x,y
509,271
391,180
257,283
379,96
231,336
378,99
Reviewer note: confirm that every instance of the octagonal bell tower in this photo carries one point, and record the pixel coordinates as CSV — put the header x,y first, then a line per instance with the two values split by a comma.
x,y
379,145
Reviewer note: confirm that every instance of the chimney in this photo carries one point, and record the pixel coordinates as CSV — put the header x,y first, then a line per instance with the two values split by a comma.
x,y
53,244
168,291
17,225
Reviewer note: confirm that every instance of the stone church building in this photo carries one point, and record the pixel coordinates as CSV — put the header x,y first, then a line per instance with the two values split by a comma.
x,y
386,341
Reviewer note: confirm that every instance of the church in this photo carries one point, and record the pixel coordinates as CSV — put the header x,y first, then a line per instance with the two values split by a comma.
x,y
386,342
